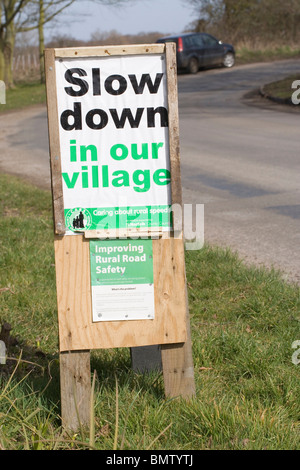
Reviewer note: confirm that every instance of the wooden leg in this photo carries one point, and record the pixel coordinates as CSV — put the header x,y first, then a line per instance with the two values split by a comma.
x,y
178,367
178,370
75,389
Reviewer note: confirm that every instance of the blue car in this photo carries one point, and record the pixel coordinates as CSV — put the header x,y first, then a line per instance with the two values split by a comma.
x,y
200,50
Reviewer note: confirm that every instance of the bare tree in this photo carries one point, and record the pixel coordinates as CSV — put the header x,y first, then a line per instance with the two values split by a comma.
x,y
38,13
9,10
47,11
25,15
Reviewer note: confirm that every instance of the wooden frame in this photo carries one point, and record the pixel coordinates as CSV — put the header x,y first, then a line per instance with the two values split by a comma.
x,y
170,328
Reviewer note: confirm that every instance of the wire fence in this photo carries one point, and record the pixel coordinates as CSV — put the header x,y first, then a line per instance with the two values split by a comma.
x,y
26,66
26,62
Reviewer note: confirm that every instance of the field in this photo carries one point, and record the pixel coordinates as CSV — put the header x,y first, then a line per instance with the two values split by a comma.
x,y
245,322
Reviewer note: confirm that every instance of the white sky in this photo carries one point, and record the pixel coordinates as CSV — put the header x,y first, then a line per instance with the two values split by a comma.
x,y
86,17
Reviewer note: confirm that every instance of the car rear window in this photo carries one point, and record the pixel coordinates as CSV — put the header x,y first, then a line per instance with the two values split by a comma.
x,y
169,40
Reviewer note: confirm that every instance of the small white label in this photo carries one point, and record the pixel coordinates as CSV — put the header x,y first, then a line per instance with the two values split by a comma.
x,y
2,92
2,353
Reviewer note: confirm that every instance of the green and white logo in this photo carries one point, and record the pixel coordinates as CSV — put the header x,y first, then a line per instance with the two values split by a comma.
x,y
78,219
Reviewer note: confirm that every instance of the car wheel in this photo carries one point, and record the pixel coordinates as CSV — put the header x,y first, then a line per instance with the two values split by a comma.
x,y
193,66
229,60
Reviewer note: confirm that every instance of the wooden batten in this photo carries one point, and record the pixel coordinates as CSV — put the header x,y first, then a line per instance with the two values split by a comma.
x,y
54,144
107,51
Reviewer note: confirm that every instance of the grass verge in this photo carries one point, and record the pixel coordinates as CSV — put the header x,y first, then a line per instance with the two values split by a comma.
x,y
23,95
281,89
244,322
246,54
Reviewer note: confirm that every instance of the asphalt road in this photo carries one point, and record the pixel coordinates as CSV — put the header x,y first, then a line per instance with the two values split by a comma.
x,y
239,156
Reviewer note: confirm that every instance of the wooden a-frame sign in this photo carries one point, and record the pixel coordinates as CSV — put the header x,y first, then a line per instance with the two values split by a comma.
x,y
93,81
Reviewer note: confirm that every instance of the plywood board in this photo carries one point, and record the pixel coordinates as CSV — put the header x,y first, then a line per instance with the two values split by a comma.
x,y
76,329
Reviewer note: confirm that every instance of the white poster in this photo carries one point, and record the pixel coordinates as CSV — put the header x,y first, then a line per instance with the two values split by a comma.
x,y
113,121
122,280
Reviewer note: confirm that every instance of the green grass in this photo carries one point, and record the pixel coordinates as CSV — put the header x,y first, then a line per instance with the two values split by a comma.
x,y
282,88
244,321
23,95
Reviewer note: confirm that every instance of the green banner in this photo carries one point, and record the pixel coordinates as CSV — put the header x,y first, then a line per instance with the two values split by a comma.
x,y
118,262
81,219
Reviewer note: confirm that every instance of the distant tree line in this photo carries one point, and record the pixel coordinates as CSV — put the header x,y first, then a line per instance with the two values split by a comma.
x,y
254,22
102,38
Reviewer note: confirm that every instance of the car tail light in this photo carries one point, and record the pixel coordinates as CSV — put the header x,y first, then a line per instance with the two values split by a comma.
x,y
180,45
